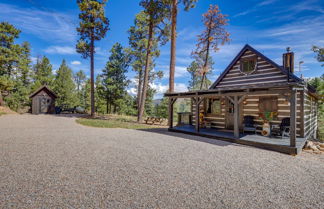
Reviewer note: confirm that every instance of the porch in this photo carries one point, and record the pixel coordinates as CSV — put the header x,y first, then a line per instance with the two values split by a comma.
x,y
223,119
274,143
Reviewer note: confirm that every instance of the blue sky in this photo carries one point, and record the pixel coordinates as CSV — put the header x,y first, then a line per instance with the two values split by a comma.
x,y
267,25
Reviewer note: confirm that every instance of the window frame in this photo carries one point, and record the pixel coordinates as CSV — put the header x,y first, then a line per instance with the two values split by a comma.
x,y
210,106
248,59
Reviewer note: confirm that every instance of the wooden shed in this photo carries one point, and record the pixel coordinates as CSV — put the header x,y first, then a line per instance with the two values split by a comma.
x,y
43,101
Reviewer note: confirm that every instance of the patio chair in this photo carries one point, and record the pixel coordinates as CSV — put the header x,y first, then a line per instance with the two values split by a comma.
x,y
281,130
249,124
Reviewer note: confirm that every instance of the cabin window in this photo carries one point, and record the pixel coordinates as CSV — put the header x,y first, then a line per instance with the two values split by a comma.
x,y
214,106
248,65
268,104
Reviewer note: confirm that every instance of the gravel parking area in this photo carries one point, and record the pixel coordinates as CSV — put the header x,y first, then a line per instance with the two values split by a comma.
x,y
52,162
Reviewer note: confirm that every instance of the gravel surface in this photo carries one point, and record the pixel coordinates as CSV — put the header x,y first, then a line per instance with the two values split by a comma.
x,y
52,162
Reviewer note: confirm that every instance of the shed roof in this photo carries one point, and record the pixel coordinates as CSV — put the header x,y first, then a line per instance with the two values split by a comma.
x,y
45,88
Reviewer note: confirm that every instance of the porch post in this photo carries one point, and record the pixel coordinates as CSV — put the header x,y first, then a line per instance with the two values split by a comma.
x,y
198,101
170,118
236,117
293,111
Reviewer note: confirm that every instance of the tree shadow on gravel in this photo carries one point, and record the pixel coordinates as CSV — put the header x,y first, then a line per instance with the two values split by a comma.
x,y
164,131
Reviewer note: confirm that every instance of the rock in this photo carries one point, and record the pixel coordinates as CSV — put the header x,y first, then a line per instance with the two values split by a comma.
x,y
321,145
314,147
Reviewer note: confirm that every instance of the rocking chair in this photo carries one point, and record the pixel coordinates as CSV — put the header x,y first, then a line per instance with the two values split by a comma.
x,y
249,124
282,130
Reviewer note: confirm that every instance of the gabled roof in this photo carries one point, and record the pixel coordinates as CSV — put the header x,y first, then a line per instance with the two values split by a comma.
x,y
48,90
248,47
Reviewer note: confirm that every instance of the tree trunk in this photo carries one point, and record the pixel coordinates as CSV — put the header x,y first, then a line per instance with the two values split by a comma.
x,y
173,44
206,58
2,103
107,105
146,74
92,77
139,88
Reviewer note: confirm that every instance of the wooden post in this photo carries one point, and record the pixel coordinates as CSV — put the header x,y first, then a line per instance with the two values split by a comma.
x,y
293,111
171,102
302,117
198,101
236,117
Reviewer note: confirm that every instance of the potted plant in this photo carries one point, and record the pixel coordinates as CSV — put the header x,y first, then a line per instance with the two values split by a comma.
x,y
267,118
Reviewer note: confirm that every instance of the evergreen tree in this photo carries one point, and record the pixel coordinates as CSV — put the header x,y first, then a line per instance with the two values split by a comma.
x,y
319,53
114,80
157,11
9,56
195,72
80,79
64,86
43,74
93,27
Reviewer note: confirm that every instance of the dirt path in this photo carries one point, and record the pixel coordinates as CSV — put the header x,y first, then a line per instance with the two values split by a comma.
x,y
52,162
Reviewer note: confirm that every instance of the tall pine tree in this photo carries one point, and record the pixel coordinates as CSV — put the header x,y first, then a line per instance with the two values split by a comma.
x,y
157,12
114,79
93,27
64,86
43,73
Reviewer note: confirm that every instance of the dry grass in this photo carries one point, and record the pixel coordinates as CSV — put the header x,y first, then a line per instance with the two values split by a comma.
x,y
115,121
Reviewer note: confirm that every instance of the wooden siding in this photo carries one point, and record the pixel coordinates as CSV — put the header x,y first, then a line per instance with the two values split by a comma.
x,y
217,121
252,108
265,73
310,116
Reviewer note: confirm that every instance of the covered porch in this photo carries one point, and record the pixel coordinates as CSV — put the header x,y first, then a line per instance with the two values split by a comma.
x,y
290,145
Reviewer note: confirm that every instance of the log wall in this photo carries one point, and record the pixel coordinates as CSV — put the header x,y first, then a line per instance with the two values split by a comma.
x,y
265,73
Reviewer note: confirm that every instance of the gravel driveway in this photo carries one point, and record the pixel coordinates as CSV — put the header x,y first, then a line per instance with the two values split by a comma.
x,y
52,162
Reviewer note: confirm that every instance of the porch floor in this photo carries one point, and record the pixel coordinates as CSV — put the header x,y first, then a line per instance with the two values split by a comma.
x,y
276,144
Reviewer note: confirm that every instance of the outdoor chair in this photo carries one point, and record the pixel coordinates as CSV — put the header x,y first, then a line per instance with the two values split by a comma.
x,y
281,130
249,124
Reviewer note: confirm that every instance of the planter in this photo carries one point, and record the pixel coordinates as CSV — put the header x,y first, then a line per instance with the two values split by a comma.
x,y
266,129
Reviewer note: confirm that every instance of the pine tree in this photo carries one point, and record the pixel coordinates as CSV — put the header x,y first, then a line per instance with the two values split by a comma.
x,y
157,11
195,72
114,79
9,56
43,73
64,86
93,27
80,79
174,4
138,50
214,35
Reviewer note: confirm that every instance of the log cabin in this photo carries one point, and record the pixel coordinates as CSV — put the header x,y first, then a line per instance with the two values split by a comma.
x,y
253,102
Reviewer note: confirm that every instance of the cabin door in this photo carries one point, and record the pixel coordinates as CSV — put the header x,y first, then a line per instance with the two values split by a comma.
x,y
44,104
230,115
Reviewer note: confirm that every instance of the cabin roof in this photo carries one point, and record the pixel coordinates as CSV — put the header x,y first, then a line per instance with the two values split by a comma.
x,y
48,90
238,56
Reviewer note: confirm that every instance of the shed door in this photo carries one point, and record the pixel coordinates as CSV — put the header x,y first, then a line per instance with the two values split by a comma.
x,y
45,103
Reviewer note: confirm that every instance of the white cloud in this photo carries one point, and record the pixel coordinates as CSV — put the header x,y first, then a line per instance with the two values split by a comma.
x,y
60,50
75,62
45,24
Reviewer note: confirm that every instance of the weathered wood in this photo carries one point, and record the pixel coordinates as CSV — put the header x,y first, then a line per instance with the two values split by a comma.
x,y
302,118
293,110
236,117
197,119
170,118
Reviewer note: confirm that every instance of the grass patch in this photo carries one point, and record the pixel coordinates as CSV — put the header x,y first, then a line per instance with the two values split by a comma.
x,y
2,113
114,123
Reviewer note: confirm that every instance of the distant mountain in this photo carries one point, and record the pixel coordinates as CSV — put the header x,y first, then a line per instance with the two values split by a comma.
x,y
157,101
